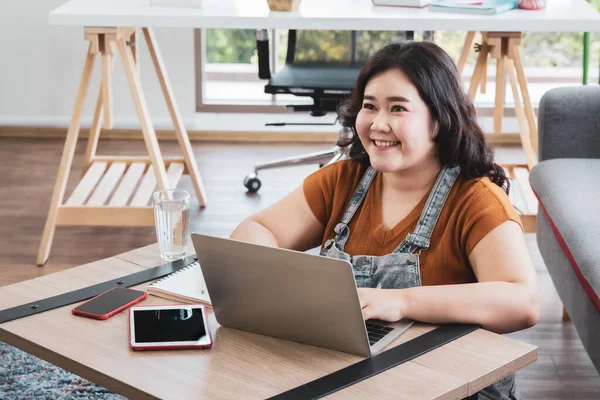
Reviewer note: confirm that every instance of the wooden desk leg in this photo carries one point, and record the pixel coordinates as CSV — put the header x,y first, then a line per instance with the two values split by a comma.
x,y
500,85
529,112
529,135
523,127
92,142
483,81
135,48
479,70
180,131
67,157
101,106
107,64
133,78
462,60
496,45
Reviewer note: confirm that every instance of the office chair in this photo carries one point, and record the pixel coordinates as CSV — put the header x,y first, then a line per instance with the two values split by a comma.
x,y
327,82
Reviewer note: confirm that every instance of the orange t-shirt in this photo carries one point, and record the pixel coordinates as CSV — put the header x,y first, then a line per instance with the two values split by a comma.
x,y
473,208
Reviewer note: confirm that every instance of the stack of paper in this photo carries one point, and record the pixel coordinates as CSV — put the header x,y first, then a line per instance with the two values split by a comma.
x,y
486,7
401,3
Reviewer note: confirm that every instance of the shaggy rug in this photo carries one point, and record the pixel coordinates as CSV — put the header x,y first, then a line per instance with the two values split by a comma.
x,y
23,376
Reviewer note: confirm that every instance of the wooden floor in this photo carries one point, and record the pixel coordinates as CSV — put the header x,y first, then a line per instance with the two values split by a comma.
x,y
27,172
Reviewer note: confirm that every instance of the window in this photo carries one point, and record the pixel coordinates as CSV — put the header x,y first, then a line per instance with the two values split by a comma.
x,y
231,46
549,58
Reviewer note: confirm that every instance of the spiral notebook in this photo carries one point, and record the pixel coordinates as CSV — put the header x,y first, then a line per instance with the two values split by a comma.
x,y
186,285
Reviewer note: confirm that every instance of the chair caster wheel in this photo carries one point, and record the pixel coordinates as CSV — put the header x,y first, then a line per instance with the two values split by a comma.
x,y
252,183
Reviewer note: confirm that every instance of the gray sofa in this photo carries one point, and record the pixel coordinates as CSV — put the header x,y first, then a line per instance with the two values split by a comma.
x,y
567,184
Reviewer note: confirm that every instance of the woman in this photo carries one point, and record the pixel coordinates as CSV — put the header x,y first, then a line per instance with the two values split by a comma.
x,y
420,208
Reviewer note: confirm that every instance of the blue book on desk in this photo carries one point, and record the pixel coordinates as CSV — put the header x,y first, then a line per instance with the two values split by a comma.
x,y
485,7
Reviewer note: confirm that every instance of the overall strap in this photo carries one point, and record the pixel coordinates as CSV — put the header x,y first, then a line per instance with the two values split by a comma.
x,y
341,229
420,239
359,194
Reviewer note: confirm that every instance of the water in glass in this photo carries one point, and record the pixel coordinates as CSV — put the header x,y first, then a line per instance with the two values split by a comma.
x,y
172,220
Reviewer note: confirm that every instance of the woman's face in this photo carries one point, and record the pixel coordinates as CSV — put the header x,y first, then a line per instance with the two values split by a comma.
x,y
394,124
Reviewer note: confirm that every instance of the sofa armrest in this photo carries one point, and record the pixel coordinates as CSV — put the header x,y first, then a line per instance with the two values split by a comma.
x,y
569,123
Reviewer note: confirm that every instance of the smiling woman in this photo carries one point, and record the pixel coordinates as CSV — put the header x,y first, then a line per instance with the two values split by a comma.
x,y
420,209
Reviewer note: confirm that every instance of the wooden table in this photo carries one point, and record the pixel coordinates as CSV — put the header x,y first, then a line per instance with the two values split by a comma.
x,y
240,364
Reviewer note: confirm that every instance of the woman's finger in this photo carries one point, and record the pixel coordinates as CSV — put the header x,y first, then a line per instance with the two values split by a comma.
x,y
367,312
361,295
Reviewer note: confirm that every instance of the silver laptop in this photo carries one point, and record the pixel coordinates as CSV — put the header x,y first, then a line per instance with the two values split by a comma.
x,y
289,295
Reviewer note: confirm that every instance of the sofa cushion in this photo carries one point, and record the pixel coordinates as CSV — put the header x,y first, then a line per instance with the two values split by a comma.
x,y
569,194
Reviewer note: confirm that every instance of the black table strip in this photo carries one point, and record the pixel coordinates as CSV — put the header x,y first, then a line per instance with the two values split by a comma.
x,y
75,296
376,364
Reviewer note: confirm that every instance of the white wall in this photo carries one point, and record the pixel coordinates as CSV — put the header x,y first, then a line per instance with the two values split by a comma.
x,y
41,65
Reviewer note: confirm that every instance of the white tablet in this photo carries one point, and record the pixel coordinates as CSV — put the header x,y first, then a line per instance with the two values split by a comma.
x,y
169,327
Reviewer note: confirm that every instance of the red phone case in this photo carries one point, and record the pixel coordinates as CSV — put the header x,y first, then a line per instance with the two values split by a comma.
x,y
183,347
111,313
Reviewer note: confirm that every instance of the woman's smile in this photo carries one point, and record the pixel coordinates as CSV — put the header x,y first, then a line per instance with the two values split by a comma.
x,y
383,145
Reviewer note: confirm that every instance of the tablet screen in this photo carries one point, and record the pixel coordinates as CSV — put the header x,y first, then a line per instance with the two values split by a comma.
x,y
185,324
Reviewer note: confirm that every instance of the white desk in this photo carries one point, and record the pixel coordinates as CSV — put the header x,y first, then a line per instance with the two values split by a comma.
x,y
560,15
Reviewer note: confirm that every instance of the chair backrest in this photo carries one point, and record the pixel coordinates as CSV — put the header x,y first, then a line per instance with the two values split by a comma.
x,y
336,47
326,47
569,123
321,47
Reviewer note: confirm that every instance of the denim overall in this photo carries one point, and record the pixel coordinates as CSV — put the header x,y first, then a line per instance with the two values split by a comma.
x,y
401,269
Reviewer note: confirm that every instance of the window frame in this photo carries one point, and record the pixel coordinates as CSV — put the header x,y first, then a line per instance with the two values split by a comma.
x,y
204,72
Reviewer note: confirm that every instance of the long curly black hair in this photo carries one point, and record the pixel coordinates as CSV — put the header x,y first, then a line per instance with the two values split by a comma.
x,y
459,140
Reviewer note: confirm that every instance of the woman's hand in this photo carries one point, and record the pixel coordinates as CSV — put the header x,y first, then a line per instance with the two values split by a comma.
x,y
384,304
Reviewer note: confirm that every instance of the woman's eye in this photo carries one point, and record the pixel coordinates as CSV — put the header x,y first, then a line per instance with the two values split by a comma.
x,y
368,106
398,108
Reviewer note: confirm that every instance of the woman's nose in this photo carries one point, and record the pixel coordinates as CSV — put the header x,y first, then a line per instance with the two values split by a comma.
x,y
380,124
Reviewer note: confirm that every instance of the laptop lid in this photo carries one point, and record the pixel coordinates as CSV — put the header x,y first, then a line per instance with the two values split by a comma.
x,y
283,293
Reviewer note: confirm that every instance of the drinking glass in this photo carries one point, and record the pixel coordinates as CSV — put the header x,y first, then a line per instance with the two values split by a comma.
x,y
172,221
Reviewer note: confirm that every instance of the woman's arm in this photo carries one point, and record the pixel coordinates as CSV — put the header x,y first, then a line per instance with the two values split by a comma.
x,y
288,224
505,298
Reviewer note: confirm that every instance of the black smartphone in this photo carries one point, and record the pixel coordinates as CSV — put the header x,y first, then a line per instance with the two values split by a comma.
x,y
109,303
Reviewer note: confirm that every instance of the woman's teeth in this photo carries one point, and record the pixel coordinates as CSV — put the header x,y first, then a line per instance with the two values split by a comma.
x,y
379,143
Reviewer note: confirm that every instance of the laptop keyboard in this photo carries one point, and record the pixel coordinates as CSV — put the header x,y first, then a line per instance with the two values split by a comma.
x,y
376,332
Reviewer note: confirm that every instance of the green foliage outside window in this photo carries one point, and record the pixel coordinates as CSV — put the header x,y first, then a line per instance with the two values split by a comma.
x,y
539,49
322,46
229,46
